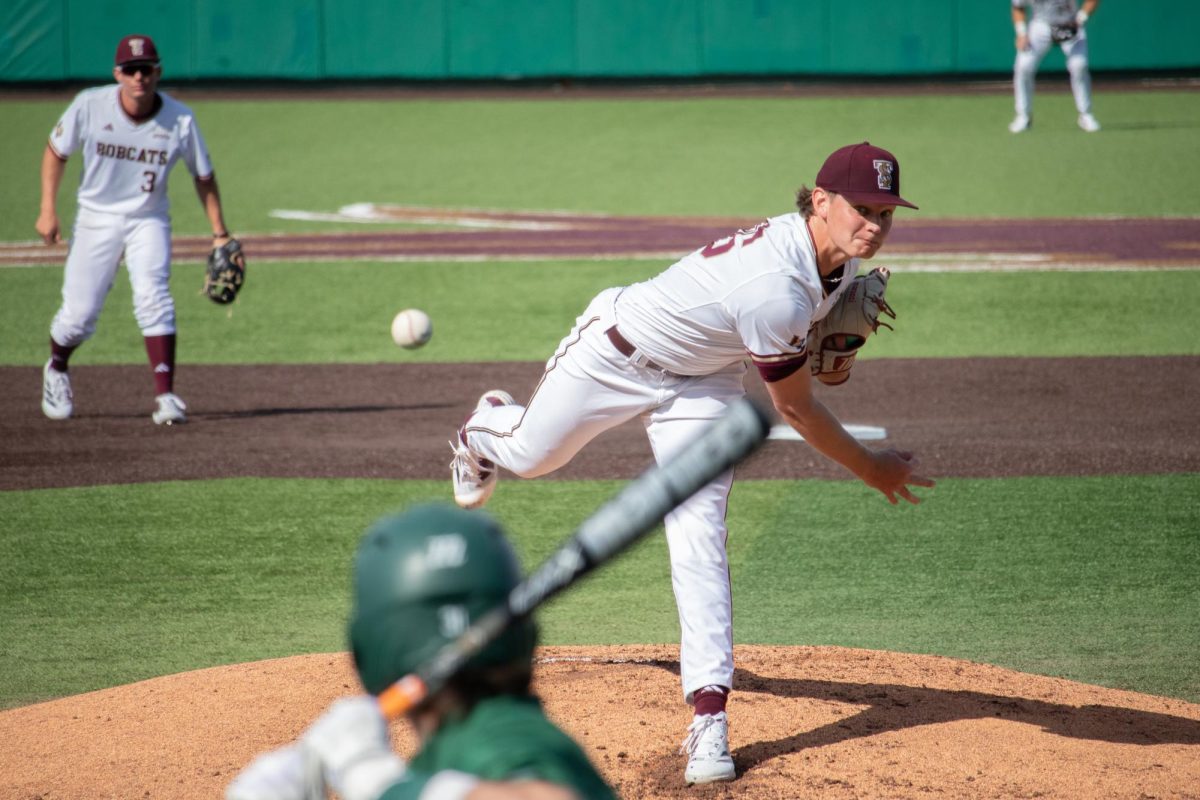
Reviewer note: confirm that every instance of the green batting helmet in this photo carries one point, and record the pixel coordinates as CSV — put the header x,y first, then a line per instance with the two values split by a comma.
x,y
420,578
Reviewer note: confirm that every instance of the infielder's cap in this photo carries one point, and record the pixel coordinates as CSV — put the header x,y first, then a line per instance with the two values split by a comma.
x,y
863,173
136,48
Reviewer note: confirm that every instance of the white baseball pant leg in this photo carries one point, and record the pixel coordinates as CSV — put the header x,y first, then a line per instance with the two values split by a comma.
x,y
1076,52
697,536
588,387
148,259
92,259
1025,66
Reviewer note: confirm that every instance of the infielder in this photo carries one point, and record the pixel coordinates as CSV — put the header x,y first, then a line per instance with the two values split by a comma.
x,y
130,135
1058,22
671,351
420,578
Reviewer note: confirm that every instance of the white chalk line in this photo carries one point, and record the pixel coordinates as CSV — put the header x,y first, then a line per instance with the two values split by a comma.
x,y
592,660
864,433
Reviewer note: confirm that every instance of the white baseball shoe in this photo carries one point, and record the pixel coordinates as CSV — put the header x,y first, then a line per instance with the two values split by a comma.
x,y
707,746
57,400
1020,124
494,397
170,410
1088,123
474,478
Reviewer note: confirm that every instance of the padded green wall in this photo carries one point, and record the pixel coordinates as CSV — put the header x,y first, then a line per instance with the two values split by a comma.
x,y
54,40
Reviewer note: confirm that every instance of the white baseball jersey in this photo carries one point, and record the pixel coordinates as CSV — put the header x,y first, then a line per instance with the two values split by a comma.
x,y
755,293
1052,12
126,163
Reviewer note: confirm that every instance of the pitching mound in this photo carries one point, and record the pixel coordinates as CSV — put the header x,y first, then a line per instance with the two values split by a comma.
x,y
845,723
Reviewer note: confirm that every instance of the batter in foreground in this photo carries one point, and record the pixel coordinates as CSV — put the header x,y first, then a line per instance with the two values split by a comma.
x,y
672,351
131,135
421,578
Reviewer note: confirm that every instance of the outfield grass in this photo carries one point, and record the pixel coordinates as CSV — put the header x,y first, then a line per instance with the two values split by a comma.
x,y
116,584
317,313
658,155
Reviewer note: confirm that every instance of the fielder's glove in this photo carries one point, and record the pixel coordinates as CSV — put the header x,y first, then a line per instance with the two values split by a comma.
x,y
1064,33
834,340
225,273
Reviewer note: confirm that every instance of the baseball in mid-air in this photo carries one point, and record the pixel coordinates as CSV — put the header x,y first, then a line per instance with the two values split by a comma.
x,y
411,328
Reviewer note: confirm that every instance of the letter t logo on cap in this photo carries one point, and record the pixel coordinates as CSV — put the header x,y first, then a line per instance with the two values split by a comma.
x,y
884,169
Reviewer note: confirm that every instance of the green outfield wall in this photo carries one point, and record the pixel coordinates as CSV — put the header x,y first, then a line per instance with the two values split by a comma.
x,y
71,40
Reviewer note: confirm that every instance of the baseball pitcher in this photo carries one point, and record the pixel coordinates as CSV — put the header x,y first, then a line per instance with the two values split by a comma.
x,y
672,352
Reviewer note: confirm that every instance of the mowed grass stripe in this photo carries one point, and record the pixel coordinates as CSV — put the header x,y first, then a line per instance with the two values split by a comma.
x,y
643,155
1095,579
518,311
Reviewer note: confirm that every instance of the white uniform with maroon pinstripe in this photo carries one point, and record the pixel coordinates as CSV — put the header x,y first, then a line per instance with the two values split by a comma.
x,y
751,296
123,207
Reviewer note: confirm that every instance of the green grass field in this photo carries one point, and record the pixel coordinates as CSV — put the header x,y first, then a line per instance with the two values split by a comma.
x,y
1095,579
956,315
654,155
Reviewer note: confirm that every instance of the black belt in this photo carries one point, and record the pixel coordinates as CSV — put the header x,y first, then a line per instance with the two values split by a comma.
x,y
625,348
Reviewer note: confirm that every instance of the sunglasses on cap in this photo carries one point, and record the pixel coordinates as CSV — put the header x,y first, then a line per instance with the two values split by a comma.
x,y
144,67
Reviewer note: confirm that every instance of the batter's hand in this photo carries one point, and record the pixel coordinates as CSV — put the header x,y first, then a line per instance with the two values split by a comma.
x,y
352,744
892,474
47,227
288,773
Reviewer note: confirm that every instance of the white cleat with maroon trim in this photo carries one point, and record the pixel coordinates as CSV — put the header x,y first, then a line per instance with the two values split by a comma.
x,y
474,478
707,746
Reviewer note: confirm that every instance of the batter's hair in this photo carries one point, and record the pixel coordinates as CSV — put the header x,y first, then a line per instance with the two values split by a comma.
x,y
475,684
804,201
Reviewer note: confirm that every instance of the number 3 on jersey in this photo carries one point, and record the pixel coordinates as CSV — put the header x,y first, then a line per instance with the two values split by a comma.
x,y
725,244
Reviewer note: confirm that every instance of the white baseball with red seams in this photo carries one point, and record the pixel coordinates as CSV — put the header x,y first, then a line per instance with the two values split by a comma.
x,y
411,328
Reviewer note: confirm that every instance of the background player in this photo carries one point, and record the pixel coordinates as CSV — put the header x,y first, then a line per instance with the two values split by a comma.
x,y
419,579
131,135
671,351
1054,22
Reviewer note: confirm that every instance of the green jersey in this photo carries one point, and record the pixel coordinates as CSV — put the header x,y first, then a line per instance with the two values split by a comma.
x,y
503,738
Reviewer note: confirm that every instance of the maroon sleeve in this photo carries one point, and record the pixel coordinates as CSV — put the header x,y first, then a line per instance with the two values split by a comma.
x,y
779,367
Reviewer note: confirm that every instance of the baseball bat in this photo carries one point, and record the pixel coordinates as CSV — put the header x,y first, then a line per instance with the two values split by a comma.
x,y
617,524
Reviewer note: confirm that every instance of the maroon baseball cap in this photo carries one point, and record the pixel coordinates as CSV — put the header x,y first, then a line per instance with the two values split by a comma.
x,y
863,173
136,48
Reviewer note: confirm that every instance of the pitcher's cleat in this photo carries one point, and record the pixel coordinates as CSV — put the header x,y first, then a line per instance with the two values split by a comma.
x,y
57,400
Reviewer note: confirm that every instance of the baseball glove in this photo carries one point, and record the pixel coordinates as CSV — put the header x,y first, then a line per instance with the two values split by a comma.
x,y
226,272
1064,33
834,340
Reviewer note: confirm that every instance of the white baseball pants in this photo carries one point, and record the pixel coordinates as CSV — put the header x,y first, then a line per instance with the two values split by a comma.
x,y
588,388
97,241
1026,66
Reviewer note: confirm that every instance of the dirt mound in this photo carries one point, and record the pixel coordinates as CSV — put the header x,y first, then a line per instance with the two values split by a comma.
x,y
842,722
